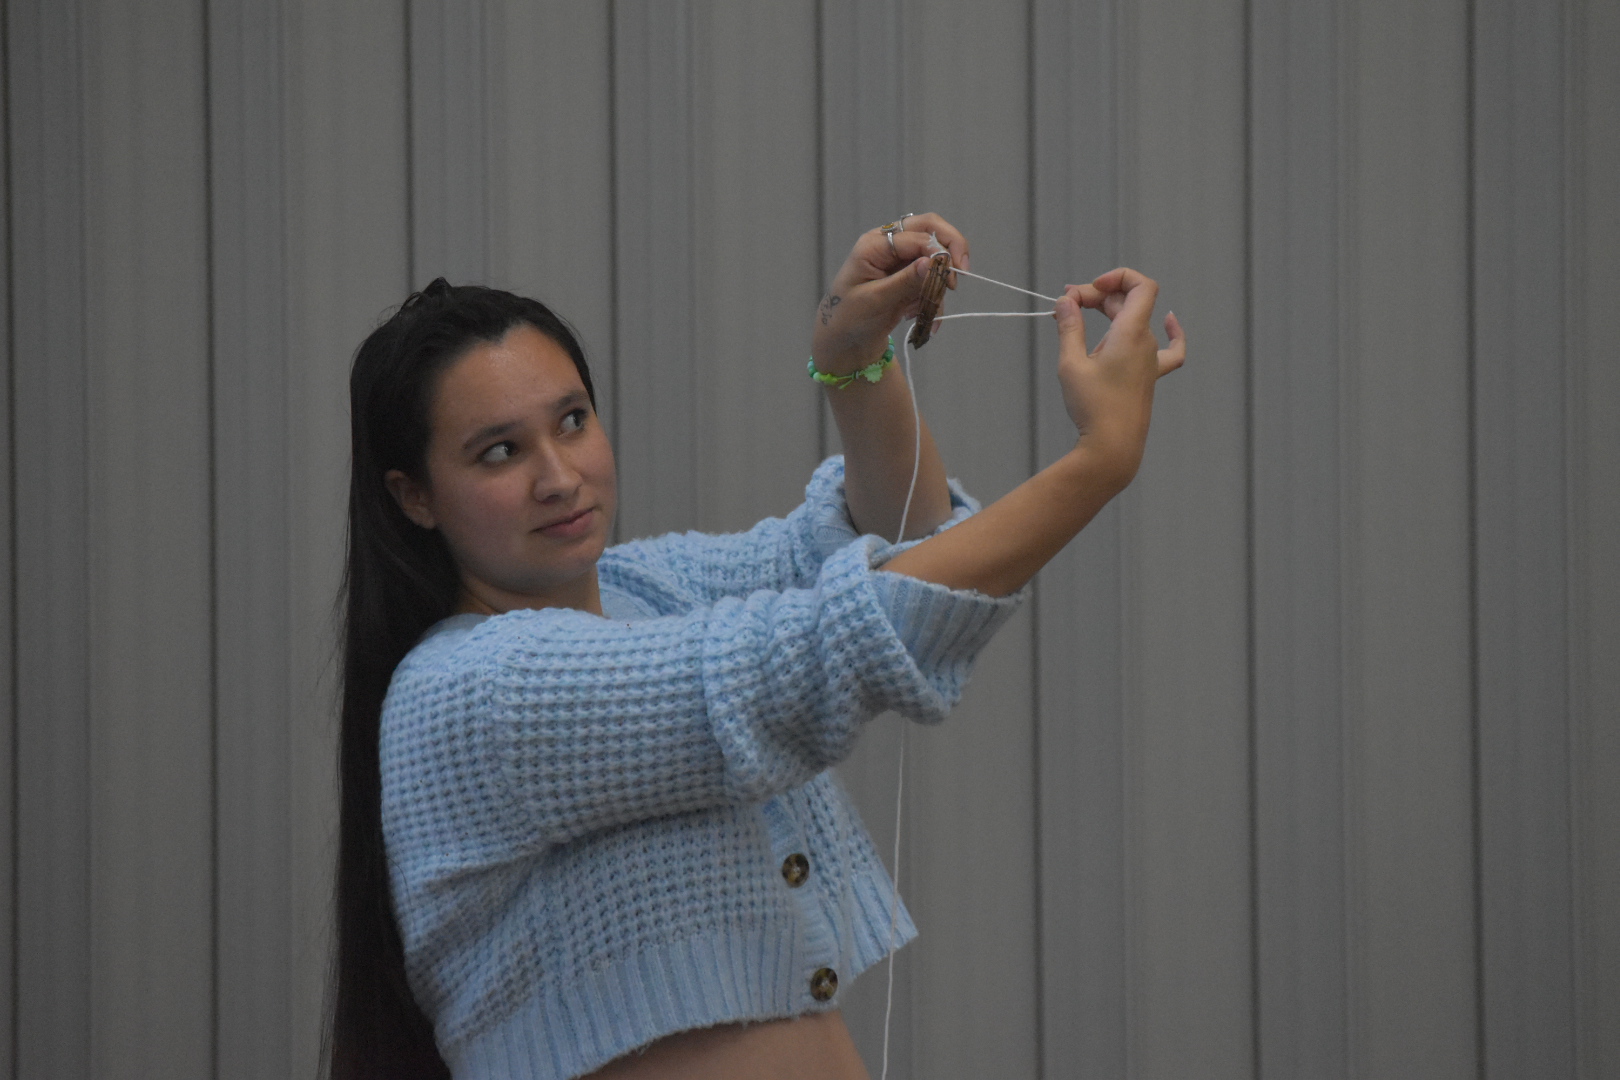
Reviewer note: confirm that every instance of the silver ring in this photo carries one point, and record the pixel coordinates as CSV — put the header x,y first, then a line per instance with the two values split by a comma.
x,y
903,220
889,230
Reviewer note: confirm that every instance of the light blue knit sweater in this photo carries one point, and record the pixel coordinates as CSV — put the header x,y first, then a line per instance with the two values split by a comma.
x,y
587,817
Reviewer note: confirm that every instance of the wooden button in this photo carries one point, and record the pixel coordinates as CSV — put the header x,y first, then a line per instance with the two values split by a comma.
x,y
824,984
795,868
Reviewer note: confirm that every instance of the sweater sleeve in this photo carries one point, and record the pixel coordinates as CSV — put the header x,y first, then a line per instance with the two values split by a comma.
x,y
544,726
776,554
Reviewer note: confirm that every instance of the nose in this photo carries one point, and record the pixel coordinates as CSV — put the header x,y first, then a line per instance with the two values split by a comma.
x,y
556,479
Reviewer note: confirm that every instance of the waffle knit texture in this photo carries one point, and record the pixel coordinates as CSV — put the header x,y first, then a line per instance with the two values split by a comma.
x,y
587,817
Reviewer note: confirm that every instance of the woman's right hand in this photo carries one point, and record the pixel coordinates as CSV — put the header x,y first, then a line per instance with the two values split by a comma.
x,y
1108,390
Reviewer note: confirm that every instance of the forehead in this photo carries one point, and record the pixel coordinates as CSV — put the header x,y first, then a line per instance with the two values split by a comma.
x,y
523,373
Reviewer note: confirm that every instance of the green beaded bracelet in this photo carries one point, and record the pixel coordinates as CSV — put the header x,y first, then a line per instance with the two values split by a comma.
x,y
871,372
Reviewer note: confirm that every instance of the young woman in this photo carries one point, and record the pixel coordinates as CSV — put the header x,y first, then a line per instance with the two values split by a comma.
x,y
588,823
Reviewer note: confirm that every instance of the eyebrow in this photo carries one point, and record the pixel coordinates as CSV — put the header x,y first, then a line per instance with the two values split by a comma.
x,y
570,400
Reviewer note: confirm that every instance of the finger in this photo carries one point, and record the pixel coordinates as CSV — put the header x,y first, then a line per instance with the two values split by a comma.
x,y
1071,324
950,237
899,289
874,249
1140,294
1088,296
1176,354
912,245
1122,279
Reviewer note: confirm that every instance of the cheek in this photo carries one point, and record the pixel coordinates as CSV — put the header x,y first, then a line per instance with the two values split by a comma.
x,y
603,470
475,516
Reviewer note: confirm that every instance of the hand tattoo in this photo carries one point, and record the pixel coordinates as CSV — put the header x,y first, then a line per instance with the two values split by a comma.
x,y
827,304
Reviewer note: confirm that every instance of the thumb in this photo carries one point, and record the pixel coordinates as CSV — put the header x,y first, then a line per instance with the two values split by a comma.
x,y
901,287
1071,325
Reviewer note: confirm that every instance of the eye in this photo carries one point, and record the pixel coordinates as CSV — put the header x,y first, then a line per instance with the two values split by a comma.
x,y
575,421
501,451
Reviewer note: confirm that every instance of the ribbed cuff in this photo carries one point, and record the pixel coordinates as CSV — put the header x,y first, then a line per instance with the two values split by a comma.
x,y
830,526
940,626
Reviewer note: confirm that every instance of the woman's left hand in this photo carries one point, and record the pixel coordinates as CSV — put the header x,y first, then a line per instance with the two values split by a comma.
x,y
876,288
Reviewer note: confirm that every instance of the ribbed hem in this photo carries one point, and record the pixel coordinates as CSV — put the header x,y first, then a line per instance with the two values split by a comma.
x,y
939,626
569,1029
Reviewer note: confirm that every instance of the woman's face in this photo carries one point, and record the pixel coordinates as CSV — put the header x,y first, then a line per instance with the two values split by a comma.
x,y
520,476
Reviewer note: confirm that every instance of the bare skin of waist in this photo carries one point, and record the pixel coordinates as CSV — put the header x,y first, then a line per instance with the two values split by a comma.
x,y
815,1046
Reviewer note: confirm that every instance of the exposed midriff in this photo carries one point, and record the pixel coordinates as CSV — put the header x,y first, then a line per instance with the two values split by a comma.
x,y
815,1046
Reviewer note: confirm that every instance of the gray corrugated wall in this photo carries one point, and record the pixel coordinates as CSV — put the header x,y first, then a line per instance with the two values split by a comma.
x,y
1305,760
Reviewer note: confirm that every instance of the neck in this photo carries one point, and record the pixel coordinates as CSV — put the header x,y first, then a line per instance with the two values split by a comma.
x,y
478,598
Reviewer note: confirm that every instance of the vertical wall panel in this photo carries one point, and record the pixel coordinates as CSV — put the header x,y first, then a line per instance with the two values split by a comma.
x,y
1594,229
450,73
50,433
861,84
1520,524
551,169
255,873
1185,530
1294,402
1079,629
8,610
347,267
1406,542
151,783
754,254
654,267
971,806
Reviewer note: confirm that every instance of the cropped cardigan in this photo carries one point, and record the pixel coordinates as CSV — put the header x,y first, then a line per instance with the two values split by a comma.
x,y
605,829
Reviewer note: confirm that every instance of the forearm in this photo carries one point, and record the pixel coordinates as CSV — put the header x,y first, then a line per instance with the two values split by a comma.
x,y
875,424
998,550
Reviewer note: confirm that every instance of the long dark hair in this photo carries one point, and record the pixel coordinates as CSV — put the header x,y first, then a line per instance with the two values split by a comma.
x,y
399,581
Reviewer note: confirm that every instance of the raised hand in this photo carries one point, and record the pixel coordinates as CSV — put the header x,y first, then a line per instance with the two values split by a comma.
x,y
876,288
1109,394
1108,390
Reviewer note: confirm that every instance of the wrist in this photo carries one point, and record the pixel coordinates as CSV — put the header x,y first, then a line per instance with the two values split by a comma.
x,y
841,354
1095,464
872,372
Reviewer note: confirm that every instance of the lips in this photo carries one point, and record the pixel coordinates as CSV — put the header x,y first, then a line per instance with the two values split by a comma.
x,y
572,525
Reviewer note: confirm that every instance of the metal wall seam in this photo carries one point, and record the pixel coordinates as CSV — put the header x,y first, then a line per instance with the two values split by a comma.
x,y
1079,596
252,567
653,258
8,596
1182,543
862,172
150,797
863,140
1295,222
1521,524
968,159
51,503
1411,957
550,123
345,180
449,141
1595,530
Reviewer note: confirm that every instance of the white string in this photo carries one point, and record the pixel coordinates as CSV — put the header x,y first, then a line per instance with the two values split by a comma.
x,y
916,448
905,513
894,908
1003,284
994,314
